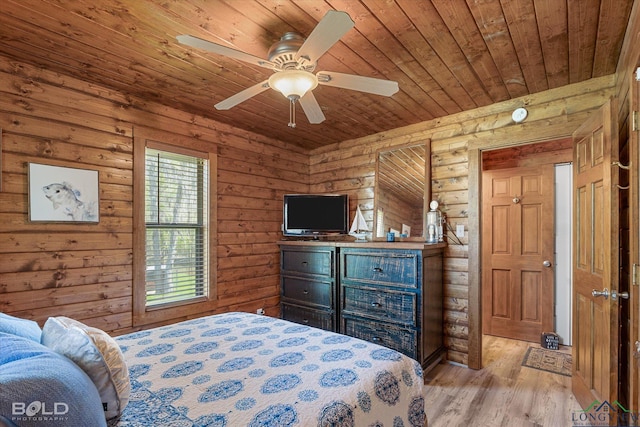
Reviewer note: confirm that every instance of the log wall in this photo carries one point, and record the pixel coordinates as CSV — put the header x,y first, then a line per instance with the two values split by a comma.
x,y
348,165
84,271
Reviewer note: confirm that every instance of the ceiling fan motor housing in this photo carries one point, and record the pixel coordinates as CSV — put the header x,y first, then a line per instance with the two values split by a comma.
x,y
283,53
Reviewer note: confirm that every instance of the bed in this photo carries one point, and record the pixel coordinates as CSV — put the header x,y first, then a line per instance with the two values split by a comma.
x,y
238,369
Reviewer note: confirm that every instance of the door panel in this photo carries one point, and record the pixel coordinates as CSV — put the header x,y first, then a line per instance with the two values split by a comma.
x,y
599,230
531,292
595,318
531,224
501,230
517,239
501,282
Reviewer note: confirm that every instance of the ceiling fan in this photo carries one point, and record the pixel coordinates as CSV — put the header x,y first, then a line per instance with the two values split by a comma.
x,y
293,59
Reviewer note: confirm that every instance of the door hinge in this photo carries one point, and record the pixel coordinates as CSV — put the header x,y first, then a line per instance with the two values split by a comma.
x,y
634,275
634,121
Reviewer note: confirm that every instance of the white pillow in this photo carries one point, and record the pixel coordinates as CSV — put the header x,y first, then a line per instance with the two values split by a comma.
x,y
97,354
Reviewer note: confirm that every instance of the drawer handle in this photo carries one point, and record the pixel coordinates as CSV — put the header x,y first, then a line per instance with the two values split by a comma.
x,y
306,292
376,339
377,269
305,321
304,263
376,304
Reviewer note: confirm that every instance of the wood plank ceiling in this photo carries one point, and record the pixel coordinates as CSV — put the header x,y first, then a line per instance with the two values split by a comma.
x,y
447,55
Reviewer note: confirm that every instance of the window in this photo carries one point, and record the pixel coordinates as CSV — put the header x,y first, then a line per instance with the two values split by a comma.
x,y
380,223
176,228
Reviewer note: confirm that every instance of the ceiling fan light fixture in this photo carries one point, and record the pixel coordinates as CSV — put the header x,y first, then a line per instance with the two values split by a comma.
x,y
293,84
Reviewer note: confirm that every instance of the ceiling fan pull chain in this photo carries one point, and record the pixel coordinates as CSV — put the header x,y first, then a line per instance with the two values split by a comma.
x,y
292,113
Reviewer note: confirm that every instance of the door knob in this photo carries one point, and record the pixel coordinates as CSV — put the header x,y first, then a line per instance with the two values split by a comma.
x,y
546,263
603,293
615,295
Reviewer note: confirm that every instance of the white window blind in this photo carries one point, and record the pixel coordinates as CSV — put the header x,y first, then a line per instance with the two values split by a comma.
x,y
176,189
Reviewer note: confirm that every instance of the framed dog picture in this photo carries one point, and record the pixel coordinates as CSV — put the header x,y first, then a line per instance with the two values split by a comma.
x,y
61,194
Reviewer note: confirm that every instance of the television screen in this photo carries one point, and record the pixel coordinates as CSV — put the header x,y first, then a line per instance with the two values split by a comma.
x,y
316,214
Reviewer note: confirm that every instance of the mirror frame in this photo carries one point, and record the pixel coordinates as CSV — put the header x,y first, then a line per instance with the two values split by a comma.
x,y
427,190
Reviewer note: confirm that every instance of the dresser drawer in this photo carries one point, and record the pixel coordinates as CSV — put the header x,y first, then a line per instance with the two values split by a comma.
x,y
308,316
401,340
389,306
308,291
318,262
388,268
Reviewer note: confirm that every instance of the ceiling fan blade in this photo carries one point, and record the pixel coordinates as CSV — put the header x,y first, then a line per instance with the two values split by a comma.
x,y
223,50
311,108
359,83
242,96
328,31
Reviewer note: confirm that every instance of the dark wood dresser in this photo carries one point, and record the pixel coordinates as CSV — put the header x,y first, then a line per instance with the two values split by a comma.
x,y
387,293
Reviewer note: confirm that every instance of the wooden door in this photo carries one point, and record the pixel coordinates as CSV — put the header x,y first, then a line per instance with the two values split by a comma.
x,y
634,256
517,230
595,259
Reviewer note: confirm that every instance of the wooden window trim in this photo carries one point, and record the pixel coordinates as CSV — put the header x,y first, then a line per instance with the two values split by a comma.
x,y
143,316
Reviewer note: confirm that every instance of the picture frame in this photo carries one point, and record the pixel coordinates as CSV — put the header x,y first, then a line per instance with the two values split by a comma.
x,y
406,230
63,194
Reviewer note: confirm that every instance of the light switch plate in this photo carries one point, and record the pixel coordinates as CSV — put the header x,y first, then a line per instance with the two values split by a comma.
x,y
460,230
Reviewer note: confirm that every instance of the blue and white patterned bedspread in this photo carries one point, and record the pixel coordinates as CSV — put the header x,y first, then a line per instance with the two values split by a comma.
x,y
242,369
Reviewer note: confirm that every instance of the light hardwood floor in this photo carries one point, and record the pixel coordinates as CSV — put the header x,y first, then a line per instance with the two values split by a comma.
x,y
503,393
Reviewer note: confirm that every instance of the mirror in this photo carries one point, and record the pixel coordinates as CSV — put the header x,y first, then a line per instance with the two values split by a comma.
x,y
401,196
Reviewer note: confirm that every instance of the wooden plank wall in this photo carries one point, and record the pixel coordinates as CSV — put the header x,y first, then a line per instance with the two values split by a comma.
x,y
85,270
348,165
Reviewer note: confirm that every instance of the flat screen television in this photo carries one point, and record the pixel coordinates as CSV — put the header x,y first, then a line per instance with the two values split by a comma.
x,y
315,214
